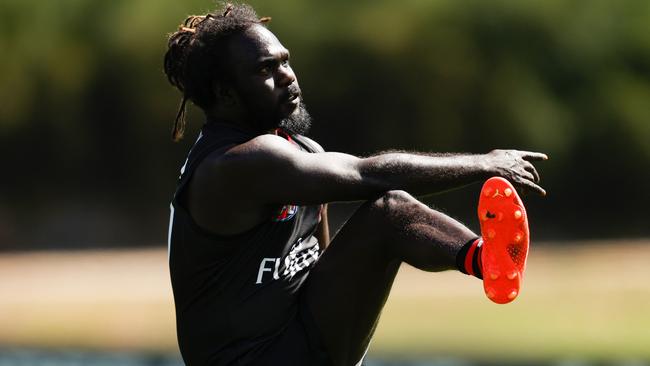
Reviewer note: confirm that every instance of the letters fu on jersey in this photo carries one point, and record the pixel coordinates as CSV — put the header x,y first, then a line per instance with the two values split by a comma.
x,y
302,254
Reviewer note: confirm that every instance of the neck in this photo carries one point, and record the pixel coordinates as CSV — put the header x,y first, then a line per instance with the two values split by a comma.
x,y
235,122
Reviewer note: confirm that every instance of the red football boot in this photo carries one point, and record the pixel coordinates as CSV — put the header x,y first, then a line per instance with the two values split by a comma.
x,y
504,228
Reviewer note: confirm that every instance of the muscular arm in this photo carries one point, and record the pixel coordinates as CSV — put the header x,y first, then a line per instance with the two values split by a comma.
x,y
422,174
269,170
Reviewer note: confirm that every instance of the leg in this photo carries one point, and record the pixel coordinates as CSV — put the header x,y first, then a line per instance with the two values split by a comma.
x,y
347,289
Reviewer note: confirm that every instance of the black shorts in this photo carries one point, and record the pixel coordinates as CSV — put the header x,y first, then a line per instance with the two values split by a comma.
x,y
299,345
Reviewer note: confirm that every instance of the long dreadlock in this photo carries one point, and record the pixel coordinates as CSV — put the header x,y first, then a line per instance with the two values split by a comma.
x,y
196,52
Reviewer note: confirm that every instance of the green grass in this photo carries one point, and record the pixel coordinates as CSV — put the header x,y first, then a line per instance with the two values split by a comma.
x,y
590,301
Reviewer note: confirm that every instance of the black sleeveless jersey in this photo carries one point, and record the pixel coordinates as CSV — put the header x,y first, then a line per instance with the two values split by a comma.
x,y
235,294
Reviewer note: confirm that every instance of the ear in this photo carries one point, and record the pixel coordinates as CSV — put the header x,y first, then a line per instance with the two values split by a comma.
x,y
225,94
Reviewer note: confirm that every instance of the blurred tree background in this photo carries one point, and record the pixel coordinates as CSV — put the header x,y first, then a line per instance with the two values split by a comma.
x,y
86,111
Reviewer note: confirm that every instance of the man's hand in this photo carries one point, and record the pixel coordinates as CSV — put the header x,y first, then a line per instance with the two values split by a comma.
x,y
515,166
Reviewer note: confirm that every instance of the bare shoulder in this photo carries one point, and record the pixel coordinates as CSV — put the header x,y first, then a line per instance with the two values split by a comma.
x,y
242,161
259,147
315,146
230,179
266,150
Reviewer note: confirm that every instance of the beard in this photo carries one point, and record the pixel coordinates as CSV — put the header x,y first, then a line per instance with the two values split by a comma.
x,y
299,122
266,119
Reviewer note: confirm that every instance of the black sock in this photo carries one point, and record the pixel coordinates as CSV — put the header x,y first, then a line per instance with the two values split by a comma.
x,y
468,259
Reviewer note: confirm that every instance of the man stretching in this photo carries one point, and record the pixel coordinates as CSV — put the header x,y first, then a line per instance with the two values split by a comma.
x,y
252,281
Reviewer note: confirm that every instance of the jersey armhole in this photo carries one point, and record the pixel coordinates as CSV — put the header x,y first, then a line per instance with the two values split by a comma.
x,y
181,205
209,234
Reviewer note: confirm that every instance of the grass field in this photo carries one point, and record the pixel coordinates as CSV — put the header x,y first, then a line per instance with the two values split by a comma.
x,y
586,301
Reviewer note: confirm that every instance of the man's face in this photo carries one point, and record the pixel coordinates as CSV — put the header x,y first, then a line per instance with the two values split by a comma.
x,y
265,84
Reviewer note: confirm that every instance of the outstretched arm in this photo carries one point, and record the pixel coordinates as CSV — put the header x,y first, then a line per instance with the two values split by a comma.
x,y
288,175
433,173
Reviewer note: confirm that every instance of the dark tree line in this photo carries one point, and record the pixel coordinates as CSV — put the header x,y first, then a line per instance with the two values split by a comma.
x,y
86,113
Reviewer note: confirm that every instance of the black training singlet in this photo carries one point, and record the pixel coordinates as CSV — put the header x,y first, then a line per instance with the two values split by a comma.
x,y
235,294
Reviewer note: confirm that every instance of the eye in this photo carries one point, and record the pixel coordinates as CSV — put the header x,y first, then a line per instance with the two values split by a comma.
x,y
285,63
265,70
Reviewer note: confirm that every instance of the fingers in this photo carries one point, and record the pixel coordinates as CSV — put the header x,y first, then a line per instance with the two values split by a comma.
x,y
528,176
523,174
520,170
531,169
530,155
526,185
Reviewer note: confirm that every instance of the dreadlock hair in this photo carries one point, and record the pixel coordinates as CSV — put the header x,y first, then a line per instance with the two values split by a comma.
x,y
196,53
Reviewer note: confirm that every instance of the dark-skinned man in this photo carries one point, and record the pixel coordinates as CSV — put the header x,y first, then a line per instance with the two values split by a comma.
x,y
253,283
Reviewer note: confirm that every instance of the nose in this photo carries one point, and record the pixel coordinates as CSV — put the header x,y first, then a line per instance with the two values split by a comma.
x,y
285,76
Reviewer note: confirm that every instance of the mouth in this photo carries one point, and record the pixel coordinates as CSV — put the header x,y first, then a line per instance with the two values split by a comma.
x,y
291,93
291,101
292,97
